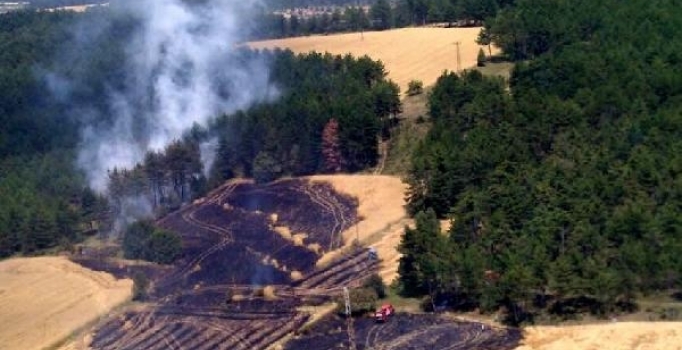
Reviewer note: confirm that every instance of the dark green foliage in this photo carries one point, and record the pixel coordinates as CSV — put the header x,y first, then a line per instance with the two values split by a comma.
x,y
286,137
481,59
376,283
142,240
362,301
563,190
381,15
415,87
140,286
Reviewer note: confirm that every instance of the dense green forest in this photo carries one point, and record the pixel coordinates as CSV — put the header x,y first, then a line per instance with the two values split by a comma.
x,y
564,192
45,199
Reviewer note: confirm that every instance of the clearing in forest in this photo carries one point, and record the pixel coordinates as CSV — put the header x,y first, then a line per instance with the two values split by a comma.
x,y
408,53
44,300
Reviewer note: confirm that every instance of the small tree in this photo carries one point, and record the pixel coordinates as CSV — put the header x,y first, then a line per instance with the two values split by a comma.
x,y
140,285
266,168
480,60
415,87
377,284
484,38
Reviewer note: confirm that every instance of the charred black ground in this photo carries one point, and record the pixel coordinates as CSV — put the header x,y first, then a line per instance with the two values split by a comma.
x,y
214,297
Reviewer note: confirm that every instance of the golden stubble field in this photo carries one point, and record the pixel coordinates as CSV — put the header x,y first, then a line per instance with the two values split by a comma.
x,y
408,53
45,300
381,205
608,336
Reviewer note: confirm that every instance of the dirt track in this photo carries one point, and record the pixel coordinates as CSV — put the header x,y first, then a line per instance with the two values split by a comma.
x,y
44,300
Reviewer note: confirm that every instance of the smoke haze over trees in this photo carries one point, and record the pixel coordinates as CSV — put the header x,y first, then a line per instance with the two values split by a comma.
x,y
143,129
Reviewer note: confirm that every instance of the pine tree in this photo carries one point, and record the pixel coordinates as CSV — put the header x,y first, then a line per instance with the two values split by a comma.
x,y
480,60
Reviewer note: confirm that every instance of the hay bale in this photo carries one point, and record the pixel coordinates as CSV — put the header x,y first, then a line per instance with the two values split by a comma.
x,y
267,293
315,247
296,275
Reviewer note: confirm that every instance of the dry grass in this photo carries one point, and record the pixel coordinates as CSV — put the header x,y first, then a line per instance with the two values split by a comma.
x,y
611,336
45,300
407,53
382,205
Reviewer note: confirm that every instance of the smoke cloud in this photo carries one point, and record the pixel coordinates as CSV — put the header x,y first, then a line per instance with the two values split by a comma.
x,y
181,69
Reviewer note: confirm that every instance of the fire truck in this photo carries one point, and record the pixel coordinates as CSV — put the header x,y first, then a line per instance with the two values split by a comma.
x,y
383,314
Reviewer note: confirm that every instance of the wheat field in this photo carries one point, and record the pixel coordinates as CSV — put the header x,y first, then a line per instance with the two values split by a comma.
x,y
45,300
409,53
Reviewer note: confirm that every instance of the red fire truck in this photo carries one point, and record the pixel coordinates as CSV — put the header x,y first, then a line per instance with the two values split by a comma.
x,y
384,313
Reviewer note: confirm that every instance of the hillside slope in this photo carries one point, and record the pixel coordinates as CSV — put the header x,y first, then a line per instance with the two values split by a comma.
x,y
44,300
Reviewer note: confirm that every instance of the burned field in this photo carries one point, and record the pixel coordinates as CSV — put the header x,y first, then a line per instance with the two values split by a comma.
x,y
240,282
214,297
407,331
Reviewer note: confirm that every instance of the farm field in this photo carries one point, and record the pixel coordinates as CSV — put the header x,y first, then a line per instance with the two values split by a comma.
x,y
381,205
611,336
249,271
407,331
44,300
407,53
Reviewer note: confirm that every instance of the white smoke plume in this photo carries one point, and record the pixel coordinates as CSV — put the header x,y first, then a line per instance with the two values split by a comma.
x,y
181,70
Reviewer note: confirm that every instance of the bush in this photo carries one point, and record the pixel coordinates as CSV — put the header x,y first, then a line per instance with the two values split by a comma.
x,y
163,247
376,284
415,87
362,301
140,285
143,241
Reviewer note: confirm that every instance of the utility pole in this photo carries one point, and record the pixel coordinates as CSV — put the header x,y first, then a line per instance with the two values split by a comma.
x,y
349,320
458,57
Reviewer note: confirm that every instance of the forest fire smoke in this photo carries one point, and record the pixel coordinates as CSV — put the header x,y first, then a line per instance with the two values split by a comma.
x,y
181,69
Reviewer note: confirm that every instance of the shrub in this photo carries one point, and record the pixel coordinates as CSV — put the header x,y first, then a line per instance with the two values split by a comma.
x,y
415,87
143,241
140,285
481,59
376,284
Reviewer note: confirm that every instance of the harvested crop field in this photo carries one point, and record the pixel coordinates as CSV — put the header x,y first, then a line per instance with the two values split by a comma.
x,y
234,286
381,209
407,331
611,336
407,53
44,300
248,276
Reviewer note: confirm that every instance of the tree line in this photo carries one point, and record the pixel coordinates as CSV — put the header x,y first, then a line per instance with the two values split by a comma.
x,y
564,191
379,15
